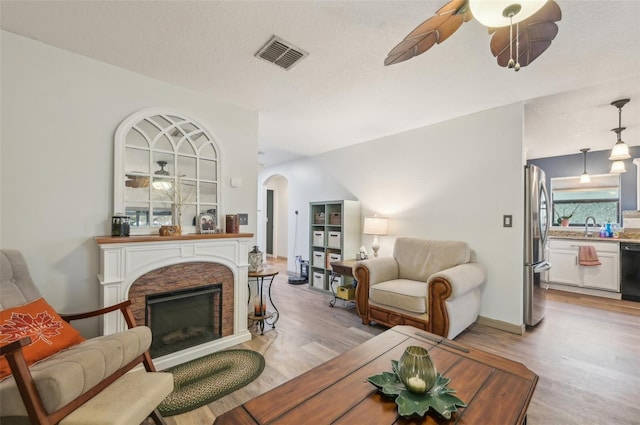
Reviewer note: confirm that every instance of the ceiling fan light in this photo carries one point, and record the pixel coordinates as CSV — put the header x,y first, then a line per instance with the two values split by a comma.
x,y
618,167
620,151
585,178
491,13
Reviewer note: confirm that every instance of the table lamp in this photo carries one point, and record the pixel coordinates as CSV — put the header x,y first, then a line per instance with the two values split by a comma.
x,y
376,226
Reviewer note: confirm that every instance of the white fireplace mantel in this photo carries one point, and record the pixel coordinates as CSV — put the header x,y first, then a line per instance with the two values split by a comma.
x,y
125,259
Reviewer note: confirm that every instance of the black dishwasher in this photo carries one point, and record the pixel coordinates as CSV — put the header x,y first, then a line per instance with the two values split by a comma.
x,y
630,271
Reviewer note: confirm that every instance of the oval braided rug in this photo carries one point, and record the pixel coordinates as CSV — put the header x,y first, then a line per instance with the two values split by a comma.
x,y
209,378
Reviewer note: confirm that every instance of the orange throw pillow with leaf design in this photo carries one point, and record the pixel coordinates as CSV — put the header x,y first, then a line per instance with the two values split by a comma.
x,y
38,320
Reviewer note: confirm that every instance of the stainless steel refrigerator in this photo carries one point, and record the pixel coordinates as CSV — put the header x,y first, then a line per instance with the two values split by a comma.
x,y
537,221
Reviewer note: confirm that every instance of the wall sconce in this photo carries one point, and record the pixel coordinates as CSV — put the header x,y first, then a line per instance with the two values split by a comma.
x,y
585,178
376,226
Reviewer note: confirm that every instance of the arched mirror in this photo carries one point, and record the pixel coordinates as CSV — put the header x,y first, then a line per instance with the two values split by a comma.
x,y
166,170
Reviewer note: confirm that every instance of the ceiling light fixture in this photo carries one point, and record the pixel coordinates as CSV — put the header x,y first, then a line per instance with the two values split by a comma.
x,y
620,150
161,183
585,178
500,13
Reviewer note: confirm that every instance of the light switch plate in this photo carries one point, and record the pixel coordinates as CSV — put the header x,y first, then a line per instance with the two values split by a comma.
x,y
243,219
507,221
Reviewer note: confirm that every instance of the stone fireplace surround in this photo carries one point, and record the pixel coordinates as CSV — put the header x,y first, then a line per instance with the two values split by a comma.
x,y
125,259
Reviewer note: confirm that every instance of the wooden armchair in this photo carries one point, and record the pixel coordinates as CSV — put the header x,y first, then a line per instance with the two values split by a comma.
x,y
86,383
431,285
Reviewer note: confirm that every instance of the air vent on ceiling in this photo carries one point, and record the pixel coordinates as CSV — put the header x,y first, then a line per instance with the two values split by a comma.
x,y
281,53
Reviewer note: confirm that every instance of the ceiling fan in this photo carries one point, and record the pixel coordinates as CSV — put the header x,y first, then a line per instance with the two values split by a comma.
x,y
534,22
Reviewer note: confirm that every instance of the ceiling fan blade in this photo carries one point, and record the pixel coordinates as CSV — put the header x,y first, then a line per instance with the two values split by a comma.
x,y
434,30
534,40
407,49
539,31
536,48
448,27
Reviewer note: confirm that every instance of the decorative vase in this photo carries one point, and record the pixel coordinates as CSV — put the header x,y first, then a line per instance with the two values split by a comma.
x,y
416,370
255,260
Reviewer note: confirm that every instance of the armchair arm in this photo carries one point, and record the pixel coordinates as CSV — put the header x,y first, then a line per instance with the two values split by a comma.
x,y
448,284
463,278
368,273
124,307
24,381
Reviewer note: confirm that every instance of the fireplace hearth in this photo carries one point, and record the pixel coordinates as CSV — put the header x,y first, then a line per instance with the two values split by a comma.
x,y
184,318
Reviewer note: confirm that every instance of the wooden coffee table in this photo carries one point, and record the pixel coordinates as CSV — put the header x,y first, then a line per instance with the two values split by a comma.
x,y
497,390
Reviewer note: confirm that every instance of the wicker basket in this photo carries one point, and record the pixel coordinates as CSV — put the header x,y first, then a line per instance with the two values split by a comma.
x,y
335,218
319,218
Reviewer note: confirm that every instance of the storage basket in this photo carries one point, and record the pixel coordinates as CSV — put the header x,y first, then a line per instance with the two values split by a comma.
x,y
318,218
346,293
318,238
333,240
335,218
318,259
318,280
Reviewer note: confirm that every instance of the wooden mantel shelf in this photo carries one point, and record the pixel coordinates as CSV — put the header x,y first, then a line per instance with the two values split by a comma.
x,y
157,238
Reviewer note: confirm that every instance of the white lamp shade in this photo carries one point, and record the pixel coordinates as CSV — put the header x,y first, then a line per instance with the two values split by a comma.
x,y
585,178
375,226
162,185
618,167
620,151
490,12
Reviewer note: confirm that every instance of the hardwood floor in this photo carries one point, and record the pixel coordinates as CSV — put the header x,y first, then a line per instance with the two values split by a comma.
x,y
586,352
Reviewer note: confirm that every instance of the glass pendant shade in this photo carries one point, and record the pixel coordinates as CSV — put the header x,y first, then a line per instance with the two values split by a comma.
x,y
617,167
495,13
620,151
585,178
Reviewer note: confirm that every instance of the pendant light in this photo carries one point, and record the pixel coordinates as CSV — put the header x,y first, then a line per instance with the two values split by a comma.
x,y
585,178
620,150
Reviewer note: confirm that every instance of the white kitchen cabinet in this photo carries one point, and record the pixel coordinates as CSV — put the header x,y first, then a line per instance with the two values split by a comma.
x,y
566,270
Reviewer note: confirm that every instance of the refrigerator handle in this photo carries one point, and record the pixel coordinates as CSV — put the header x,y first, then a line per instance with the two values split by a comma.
x,y
542,267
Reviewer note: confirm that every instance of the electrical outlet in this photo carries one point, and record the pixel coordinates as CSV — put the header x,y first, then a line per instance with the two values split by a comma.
x,y
243,219
507,221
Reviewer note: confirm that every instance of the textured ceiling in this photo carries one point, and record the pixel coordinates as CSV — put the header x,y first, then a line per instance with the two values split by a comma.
x,y
341,94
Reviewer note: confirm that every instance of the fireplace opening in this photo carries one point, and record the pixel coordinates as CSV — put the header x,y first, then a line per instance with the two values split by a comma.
x,y
184,318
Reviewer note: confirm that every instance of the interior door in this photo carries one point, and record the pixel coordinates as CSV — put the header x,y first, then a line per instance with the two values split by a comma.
x,y
269,232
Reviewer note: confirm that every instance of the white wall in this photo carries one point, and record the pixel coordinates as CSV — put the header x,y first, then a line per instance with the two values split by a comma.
x,y
453,180
59,115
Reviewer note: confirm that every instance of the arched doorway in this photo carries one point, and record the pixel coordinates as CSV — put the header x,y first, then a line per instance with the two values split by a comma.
x,y
273,230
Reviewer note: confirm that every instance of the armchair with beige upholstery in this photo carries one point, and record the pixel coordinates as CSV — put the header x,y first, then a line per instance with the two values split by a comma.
x,y
87,383
432,285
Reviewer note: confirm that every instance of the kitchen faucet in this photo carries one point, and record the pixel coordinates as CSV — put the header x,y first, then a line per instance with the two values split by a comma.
x,y
586,226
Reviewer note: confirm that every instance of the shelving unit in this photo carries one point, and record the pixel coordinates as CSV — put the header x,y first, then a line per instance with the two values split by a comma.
x,y
334,236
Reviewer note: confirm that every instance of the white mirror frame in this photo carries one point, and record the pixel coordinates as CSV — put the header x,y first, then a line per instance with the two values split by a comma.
x,y
119,204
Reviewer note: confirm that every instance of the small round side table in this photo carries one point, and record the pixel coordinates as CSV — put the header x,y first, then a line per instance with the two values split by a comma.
x,y
264,316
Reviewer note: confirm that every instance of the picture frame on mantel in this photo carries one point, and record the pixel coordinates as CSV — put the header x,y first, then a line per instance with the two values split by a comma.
x,y
206,223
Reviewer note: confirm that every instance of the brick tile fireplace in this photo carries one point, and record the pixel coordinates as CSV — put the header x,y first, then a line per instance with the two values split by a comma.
x,y
136,267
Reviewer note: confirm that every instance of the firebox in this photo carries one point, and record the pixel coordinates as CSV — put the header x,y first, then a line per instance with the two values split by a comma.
x,y
184,318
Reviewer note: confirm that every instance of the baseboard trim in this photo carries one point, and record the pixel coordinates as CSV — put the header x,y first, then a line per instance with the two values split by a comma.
x,y
503,326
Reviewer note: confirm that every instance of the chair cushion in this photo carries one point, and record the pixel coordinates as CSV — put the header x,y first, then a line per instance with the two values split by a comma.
x,y
71,372
419,258
404,294
38,320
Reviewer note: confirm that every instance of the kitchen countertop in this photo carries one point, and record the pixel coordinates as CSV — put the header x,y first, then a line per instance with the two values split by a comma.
x,y
625,236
